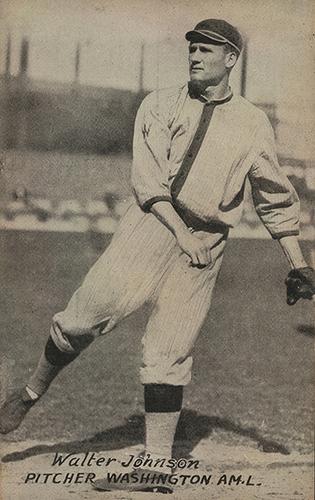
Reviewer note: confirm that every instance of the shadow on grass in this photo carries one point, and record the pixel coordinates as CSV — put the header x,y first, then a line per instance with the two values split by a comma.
x,y
307,330
191,429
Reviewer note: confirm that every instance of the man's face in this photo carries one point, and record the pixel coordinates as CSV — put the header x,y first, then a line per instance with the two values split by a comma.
x,y
208,63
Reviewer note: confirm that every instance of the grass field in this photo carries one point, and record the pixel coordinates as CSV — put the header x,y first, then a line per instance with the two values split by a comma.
x,y
252,379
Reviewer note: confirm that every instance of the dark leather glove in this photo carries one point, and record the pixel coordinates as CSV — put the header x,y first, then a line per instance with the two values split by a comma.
x,y
300,284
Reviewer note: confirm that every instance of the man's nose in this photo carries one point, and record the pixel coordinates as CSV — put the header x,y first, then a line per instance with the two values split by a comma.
x,y
196,56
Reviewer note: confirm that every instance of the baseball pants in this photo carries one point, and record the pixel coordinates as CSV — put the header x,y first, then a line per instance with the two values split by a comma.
x,y
142,264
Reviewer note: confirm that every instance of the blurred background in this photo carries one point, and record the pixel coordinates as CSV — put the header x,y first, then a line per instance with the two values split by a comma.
x,y
72,78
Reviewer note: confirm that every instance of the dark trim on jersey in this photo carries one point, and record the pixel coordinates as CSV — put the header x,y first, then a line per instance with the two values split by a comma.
x,y
193,150
293,232
148,204
195,145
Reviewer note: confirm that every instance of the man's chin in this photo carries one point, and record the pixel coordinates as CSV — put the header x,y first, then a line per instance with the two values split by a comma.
x,y
198,77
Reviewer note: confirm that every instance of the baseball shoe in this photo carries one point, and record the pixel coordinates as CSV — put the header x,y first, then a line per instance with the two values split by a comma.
x,y
136,480
14,409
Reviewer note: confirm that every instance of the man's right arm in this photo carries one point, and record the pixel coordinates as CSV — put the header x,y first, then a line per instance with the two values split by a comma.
x,y
150,172
151,144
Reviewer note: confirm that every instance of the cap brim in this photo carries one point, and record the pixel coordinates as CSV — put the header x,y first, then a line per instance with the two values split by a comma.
x,y
196,34
199,35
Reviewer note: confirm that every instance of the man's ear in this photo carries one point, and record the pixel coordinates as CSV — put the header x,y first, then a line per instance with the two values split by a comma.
x,y
230,59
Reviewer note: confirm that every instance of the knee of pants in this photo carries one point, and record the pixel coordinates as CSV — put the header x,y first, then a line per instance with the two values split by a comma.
x,y
69,336
166,370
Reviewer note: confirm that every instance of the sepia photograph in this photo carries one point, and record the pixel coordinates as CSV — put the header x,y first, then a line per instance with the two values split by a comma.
x,y
157,228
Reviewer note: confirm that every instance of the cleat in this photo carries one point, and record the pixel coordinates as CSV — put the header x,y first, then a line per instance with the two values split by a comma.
x,y
131,481
14,409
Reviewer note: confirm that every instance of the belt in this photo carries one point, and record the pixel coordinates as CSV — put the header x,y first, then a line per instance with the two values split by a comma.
x,y
198,224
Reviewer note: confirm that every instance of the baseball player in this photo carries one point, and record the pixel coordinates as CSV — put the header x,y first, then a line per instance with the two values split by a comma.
x,y
194,148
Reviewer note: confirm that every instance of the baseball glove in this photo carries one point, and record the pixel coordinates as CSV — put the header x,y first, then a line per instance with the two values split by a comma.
x,y
300,284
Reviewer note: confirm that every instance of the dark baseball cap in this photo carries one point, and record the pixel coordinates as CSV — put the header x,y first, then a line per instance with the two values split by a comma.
x,y
218,31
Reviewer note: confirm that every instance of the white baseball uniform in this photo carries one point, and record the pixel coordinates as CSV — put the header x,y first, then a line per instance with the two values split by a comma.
x,y
143,262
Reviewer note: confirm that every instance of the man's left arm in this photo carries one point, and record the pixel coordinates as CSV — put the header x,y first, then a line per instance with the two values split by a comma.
x,y
278,206
292,250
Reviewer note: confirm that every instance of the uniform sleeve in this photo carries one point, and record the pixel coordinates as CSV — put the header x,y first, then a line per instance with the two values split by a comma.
x,y
275,199
151,145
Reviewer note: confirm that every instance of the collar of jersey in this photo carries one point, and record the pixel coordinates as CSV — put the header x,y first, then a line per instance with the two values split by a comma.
x,y
222,100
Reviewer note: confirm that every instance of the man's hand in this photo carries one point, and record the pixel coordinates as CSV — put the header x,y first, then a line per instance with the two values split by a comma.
x,y
195,244
197,249
300,284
